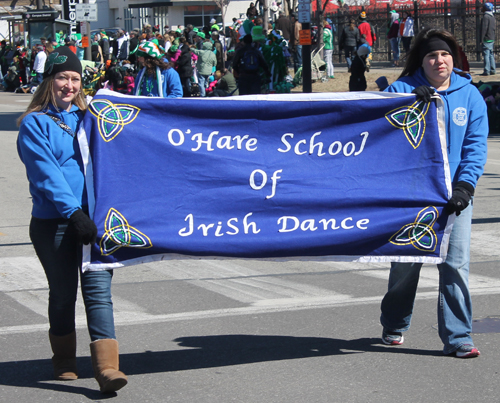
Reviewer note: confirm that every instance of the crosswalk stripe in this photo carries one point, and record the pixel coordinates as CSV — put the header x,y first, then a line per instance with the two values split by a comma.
x,y
23,279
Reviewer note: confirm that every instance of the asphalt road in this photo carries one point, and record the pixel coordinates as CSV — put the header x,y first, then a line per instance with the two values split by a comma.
x,y
247,331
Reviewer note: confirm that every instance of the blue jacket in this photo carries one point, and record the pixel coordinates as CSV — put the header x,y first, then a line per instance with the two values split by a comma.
x,y
170,81
53,163
466,124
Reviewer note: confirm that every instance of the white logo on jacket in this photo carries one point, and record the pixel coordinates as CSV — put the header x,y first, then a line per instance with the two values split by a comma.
x,y
460,116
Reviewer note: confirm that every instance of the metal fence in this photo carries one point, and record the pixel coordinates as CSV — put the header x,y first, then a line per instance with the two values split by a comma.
x,y
462,19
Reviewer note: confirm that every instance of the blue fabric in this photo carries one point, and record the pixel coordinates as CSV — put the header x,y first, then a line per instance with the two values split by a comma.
x,y
466,124
53,163
264,178
454,307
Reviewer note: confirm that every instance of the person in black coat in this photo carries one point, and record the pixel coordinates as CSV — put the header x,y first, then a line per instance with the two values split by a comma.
x,y
357,81
185,69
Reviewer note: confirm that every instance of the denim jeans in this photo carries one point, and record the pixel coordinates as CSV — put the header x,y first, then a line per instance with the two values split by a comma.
x,y
395,48
297,57
60,255
489,58
202,81
349,54
454,304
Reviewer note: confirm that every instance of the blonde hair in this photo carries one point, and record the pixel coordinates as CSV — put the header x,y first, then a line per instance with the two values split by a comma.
x,y
44,96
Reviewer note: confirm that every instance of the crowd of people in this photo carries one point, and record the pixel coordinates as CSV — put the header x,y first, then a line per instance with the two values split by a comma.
x,y
193,61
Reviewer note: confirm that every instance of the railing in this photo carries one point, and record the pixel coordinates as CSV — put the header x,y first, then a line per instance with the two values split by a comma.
x,y
462,19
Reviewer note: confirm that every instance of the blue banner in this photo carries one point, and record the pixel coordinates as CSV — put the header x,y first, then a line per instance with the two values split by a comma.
x,y
350,176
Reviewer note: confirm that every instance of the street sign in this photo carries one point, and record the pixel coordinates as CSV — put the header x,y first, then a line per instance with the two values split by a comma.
x,y
83,28
304,1
304,16
86,12
305,37
304,7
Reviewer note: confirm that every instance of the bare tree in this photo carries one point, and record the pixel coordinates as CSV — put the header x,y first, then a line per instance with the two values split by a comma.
x,y
223,5
321,7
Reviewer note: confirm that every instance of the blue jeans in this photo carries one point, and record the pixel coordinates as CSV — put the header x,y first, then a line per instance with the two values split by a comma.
x,y
395,48
61,255
349,54
454,304
297,57
489,58
202,81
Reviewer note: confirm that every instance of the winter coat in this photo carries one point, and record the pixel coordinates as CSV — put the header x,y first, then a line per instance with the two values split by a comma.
x,y
53,163
349,38
206,59
184,66
466,123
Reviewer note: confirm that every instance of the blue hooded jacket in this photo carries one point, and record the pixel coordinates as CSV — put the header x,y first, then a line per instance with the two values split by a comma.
x,y
53,163
466,122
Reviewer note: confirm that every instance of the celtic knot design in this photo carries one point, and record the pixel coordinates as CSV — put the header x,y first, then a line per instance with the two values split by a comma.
x,y
419,233
111,118
411,119
118,233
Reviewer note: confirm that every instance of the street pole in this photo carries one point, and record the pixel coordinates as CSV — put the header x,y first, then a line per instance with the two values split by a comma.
x,y
88,49
306,62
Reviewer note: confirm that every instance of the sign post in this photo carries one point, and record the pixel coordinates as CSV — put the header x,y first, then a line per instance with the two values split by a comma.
x,y
85,13
304,17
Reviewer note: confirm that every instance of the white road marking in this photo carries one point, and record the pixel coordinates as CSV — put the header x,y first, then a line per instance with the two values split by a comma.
x,y
23,280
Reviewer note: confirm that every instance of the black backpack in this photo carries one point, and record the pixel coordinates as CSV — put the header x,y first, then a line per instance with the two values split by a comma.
x,y
250,61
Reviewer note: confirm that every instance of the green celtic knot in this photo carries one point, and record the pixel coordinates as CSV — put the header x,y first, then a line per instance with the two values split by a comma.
x,y
419,233
118,234
411,119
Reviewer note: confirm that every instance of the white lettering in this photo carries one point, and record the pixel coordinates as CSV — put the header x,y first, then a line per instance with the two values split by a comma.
x,y
286,143
179,133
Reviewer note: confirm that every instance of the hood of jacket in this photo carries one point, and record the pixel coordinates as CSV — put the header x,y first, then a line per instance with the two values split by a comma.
x,y
207,46
456,81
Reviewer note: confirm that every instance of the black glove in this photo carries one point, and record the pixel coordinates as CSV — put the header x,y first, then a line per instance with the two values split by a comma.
x,y
83,226
460,198
424,93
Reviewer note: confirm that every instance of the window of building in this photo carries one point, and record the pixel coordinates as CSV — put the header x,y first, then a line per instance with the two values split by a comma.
x,y
200,16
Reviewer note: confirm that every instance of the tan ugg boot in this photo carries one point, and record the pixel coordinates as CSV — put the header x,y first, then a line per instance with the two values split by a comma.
x,y
104,355
64,359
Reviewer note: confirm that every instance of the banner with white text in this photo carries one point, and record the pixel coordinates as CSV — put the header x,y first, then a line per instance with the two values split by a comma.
x,y
348,176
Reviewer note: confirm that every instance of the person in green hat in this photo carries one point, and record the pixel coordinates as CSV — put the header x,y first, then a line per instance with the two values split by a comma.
x,y
157,78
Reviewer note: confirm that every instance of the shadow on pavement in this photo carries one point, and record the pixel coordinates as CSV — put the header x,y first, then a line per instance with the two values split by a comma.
x,y
200,352
9,121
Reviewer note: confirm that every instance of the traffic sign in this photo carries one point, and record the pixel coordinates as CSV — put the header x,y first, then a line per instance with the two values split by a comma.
x,y
86,12
304,16
304,7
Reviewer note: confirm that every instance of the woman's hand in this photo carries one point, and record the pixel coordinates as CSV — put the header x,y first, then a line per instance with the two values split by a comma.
x,y
460,198
83,226
424,93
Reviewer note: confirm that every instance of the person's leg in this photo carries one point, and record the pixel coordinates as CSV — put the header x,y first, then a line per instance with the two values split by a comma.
x,y
397,304
96,292
201,83
329,64
57,249
486,58
493,67
455,305
298,57
348,56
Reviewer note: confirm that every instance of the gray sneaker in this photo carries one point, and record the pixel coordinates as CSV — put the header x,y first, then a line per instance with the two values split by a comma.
x,y
392,338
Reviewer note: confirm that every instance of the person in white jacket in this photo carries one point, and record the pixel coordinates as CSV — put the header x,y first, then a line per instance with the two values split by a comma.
x,y
406,31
